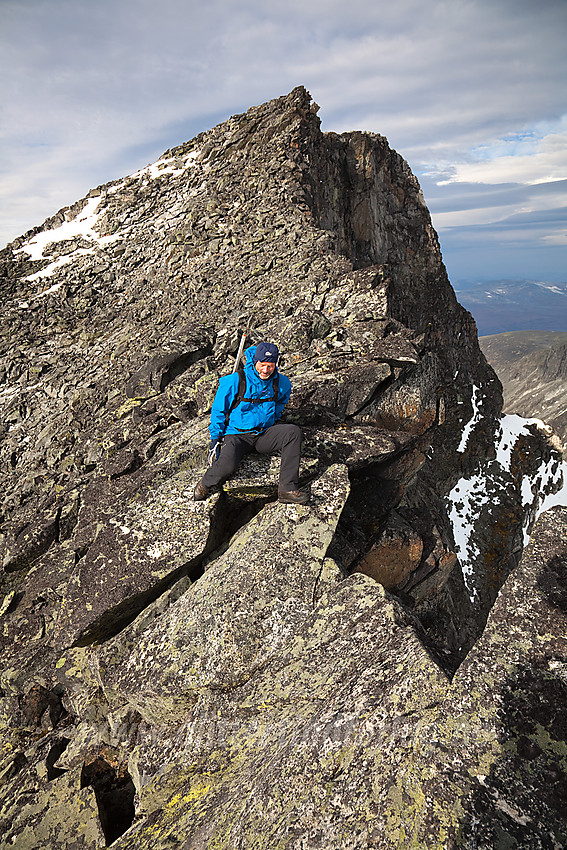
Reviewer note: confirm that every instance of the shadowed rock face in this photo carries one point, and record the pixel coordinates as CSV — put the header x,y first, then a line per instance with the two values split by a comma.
x,y
234,673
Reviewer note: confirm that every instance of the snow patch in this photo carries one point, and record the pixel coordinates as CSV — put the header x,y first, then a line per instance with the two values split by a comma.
x,y
476,417
470,495
551,287
82,226
55,265
511,426
559,498
465,501
165,166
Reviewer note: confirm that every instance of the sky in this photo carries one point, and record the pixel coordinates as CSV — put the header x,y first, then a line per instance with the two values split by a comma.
x,y
472,93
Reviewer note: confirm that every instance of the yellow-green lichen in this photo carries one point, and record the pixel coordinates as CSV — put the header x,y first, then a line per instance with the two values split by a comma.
x,y
129,405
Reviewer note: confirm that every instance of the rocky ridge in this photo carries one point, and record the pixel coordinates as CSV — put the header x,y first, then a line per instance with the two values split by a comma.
x,y
219,674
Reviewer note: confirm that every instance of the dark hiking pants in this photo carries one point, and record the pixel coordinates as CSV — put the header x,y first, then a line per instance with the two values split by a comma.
x,y
285,439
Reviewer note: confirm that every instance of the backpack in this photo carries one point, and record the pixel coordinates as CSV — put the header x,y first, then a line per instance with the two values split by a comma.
x,y
240,395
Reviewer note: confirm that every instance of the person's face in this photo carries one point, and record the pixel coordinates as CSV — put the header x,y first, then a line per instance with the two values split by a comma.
x,y
265,370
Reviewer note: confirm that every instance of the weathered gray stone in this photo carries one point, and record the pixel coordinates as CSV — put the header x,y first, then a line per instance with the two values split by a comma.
x,y
249,600
352,735
133,559
31,619
63,815
218,658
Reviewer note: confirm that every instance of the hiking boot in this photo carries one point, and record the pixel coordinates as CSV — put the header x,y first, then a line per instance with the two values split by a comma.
x,y
293,497
200,492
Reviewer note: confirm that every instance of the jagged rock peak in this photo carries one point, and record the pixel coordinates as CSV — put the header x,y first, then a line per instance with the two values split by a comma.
x,y
240,672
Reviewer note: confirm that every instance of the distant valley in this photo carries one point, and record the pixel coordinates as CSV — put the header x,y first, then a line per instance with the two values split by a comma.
x,y
532,366
522,326
515,305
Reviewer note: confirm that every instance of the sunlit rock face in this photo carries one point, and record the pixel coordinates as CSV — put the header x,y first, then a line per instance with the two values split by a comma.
x,y
238,672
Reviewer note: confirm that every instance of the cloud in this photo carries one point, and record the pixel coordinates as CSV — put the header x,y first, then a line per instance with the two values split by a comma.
x,y
518,159
486,204
470,92
457,75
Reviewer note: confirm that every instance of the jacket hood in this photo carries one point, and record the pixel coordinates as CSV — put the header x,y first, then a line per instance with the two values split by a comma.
x,y
250,352
250,368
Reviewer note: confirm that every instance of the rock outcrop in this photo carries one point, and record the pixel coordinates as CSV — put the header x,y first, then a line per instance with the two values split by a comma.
x,y
240,673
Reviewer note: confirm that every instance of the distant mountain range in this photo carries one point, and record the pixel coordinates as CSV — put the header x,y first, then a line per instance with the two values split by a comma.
x,y
532,366
500,306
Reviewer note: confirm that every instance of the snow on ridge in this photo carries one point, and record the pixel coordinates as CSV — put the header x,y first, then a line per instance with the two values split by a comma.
x,y
551,287
511,426
554,499
57,264
166,165
84,223
162,166
470,495
476,417
464,502
81,225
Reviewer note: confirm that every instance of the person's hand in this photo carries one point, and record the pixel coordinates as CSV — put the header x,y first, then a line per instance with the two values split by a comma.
x,y
214,451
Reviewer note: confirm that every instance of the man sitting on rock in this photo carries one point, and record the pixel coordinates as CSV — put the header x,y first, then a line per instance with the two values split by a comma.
x,y
245,421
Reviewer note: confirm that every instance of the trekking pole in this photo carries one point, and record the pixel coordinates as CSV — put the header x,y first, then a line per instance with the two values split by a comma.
x,y
240,350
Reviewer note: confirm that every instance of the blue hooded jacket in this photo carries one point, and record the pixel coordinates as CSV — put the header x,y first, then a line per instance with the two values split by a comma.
x,y
247,417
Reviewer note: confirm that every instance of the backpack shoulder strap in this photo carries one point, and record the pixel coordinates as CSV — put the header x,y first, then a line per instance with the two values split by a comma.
x,y
239,396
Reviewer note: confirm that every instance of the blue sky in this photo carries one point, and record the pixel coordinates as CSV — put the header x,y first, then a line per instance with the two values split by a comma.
x,y
472,93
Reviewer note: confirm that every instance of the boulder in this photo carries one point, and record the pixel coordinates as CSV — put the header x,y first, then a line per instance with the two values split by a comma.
x,y
352,734
132,560
395,555
249,600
